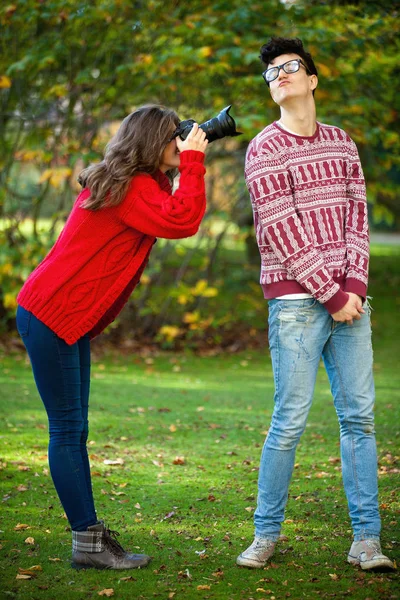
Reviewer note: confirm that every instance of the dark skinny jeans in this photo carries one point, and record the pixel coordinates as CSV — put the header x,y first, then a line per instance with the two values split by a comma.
x,y
62,376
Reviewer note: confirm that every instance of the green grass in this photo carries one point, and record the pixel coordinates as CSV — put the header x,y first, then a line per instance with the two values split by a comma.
x,y
194,518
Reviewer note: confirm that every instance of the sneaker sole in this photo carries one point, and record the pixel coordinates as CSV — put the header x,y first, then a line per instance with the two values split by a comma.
x,y
373,565
252,564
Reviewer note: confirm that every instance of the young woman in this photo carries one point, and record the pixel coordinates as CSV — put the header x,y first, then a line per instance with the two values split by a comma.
x,y
83,283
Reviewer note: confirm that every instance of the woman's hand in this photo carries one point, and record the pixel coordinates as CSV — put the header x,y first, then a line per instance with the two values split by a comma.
x,y
196,140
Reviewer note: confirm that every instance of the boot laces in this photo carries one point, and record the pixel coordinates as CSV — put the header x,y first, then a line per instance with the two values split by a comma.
x,y
112,543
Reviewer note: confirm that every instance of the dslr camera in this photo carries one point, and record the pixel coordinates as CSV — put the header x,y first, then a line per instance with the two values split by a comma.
x,y
216,128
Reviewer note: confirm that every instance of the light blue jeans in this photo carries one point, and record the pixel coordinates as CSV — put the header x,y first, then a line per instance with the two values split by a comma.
x,y
300,332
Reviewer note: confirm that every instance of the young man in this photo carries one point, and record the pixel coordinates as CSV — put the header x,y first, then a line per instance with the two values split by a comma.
x,y
310,215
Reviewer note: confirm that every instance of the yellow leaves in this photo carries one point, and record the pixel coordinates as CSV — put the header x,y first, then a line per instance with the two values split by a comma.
x,y
108,592
195,322
356,109
323,70
392,138
193,317
179,460
21,527
6,269
206,51
201,289
5,82
56,176
59,91
10,300
170,332
28,155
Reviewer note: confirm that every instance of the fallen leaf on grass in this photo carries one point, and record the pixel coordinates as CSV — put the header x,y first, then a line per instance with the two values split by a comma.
x,y
334,459
21,526
218,573
28,573
30,540
184,574
54,559
334,576
106,592
204,587
117,461
22,488
169,515
179,460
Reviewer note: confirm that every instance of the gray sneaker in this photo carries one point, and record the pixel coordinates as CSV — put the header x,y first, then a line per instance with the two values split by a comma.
x,y
367,554
257,554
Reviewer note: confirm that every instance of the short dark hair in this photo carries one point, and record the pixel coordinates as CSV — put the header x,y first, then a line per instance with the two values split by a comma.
x,y
278,45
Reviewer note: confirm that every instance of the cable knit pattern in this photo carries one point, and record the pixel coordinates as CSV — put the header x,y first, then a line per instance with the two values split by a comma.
x,y
310,214
89,274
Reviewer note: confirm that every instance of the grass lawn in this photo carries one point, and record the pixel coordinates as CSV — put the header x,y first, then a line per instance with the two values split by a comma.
x,y
187,432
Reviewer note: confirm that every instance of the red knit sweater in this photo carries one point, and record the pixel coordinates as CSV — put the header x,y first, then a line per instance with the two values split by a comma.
x,y
310,214
89,274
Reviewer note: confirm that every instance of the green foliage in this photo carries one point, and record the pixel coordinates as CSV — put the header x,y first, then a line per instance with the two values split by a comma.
x,y
69,70
19,256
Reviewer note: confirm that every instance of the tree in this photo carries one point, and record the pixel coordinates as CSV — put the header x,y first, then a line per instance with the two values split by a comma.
x,y
71,68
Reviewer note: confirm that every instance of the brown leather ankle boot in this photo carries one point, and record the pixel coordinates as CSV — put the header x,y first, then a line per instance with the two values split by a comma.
x,y
97,548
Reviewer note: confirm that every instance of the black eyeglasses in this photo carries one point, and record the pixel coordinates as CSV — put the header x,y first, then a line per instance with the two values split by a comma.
x,y
291,66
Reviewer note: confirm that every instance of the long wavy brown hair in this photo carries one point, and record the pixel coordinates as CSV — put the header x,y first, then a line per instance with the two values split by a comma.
x,y
136,147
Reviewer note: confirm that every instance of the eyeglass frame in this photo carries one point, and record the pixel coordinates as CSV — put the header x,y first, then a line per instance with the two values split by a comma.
x,y
279,67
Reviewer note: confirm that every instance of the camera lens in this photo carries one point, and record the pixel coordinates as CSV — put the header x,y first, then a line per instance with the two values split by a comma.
x,y
215,129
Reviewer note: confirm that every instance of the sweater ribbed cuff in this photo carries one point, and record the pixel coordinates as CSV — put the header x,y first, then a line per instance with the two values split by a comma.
x,y
356,287
189,156
336,302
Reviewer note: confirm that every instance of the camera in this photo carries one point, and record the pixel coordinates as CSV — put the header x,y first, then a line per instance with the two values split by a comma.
x,y
216,128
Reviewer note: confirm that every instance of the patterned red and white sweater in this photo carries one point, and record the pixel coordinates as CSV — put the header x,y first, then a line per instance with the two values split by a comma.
x,y
310,214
